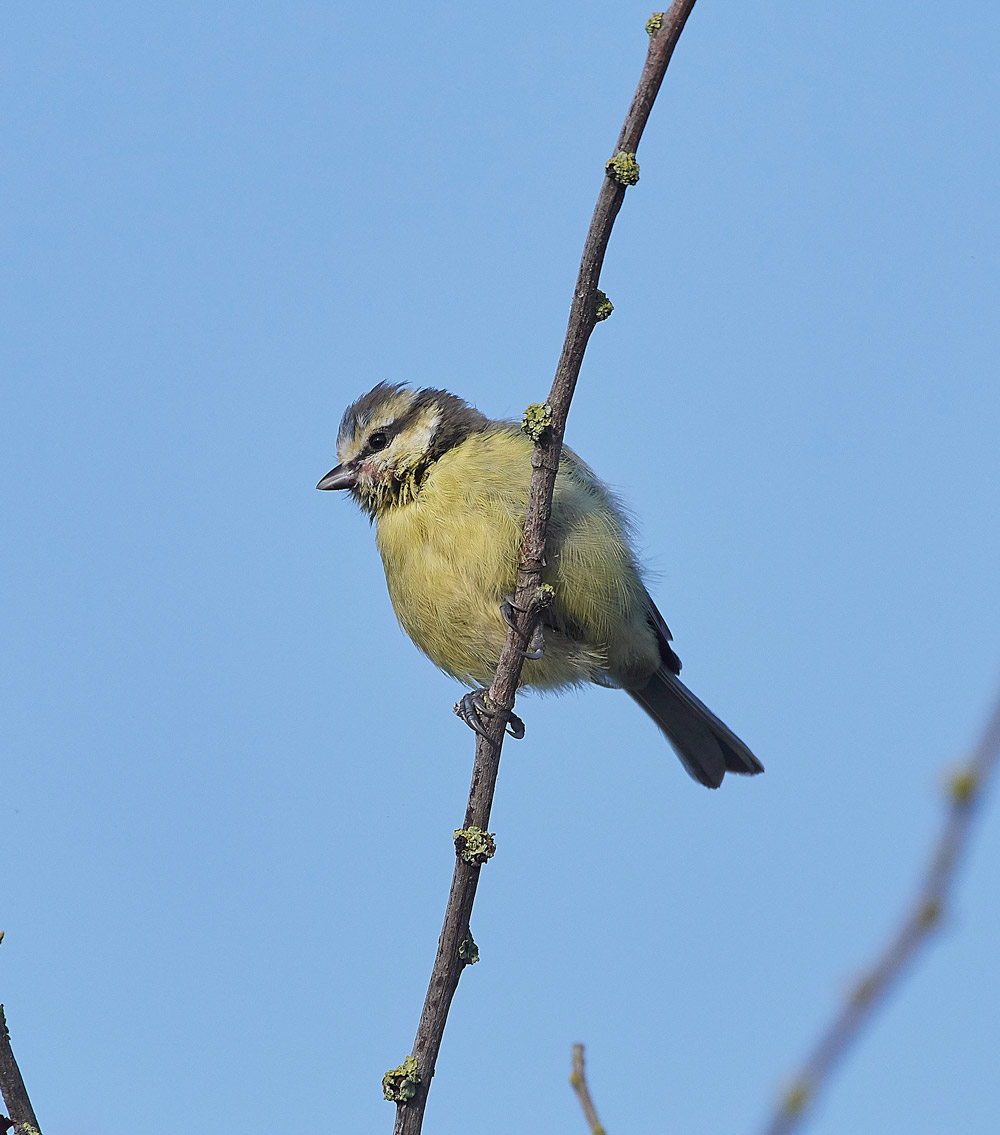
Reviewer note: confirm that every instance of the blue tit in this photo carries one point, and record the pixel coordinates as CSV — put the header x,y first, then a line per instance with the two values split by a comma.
x,y
447,491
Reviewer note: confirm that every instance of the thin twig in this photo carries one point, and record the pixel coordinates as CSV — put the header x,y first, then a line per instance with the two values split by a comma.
x,y
578,1078
965,790
15,1095
453,945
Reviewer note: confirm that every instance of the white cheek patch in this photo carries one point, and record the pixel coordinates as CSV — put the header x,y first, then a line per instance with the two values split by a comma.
x,y
419,438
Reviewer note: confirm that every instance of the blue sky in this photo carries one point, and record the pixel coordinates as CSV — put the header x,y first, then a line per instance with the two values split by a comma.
x,y
230,781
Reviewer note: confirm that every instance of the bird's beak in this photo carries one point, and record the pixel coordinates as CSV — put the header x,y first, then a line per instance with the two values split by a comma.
x,y
343,477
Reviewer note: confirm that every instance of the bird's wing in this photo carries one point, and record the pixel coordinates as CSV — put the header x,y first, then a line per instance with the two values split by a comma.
x,y
663,638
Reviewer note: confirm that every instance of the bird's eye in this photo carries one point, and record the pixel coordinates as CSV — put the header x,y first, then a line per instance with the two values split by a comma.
x,y
379,439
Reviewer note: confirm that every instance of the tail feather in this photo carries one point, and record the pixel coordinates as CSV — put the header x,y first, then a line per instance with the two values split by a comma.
x,y
706,746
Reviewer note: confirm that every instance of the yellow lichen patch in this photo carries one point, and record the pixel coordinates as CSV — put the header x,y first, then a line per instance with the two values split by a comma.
x,y
930,913
536,420
468,951
400,1084
603,306
962,785
796,1099
623,168
474,846
544,595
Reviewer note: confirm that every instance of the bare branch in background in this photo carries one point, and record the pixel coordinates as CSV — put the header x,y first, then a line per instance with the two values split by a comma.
x,y
578,1078
20,1114
965,790
409,1083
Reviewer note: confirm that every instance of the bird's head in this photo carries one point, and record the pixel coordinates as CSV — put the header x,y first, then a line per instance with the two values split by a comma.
x,y
390,438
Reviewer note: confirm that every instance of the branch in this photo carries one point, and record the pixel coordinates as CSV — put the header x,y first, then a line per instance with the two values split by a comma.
x,y
15,1095
965,790
578,1078
408,1085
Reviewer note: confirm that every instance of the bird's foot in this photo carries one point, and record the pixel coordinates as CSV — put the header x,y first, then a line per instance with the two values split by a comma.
x,y
476,704
536,644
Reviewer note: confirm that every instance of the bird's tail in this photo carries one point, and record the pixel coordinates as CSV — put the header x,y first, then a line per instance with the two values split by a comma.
x,y
706,746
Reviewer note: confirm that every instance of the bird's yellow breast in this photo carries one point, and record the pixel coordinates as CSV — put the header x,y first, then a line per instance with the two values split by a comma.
x,y
451,557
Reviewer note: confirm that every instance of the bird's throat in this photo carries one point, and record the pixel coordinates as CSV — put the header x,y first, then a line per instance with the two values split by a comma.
x,y
393,489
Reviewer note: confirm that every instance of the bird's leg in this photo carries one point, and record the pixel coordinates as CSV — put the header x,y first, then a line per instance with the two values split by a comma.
x,y
536,644
476,704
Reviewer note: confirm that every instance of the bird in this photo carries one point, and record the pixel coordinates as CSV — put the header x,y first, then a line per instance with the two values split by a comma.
x,y
446,489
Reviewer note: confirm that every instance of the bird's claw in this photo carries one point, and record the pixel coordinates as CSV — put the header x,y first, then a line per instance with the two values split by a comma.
x,y
508,612
476,704
536,644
